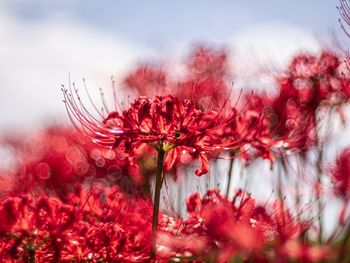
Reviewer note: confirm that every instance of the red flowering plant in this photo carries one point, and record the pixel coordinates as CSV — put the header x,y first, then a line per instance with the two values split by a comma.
x,y
222,230
169,124
312,83
264,126
98,223
206,77
34,229
203,80
84,196
55,159
339,175
147,80
99,217
297,120
314,88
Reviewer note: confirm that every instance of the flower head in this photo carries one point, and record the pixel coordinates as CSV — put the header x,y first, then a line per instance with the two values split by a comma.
x,y
147,80
225,229
206,77
340,175
57,158
166,123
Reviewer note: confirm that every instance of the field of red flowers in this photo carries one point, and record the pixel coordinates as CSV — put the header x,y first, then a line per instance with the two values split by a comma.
x,y
95,191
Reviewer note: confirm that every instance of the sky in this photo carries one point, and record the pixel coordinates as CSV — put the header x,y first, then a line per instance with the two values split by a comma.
x,y
43,43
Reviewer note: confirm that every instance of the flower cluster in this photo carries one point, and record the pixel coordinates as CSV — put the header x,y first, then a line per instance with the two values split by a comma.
x,y
204,79
168,123
100,224
94,193
221,229
56,158
340,174
311,87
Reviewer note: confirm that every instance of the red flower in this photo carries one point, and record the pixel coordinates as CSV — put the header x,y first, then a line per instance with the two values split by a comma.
x,y
340,175
147,80
258,120
289,118
100,223
206,78
54,160
224,230
168,122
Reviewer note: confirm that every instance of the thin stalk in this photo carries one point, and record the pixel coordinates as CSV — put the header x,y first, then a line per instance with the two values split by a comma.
x,y
30,247
318,194
280,169
342,257
229,175
31,253
297,187
319,147
156,200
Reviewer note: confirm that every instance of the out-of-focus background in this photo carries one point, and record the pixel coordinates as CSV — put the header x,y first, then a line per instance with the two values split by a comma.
x,y
43,42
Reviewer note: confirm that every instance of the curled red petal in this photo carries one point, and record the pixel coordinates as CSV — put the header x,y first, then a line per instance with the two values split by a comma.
x,y
170,159
203,159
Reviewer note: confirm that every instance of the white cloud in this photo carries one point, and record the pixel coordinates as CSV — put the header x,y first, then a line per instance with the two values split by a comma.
x,y
261,49
36,58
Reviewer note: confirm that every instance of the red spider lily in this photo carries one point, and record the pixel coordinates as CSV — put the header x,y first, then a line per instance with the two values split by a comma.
x,y
289,118
224,230
168,120
220,229
340,175
54,160
295,123
206,79
317,78
116,226
147,80
168,124
290,238
42,225
205,61
97,224
257,117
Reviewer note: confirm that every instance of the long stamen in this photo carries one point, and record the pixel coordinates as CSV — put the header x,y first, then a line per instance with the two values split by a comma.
x,y
91,101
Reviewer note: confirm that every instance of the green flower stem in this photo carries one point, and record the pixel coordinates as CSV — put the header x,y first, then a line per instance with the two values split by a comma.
x,y
318,195
31,253
158,187
229,175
